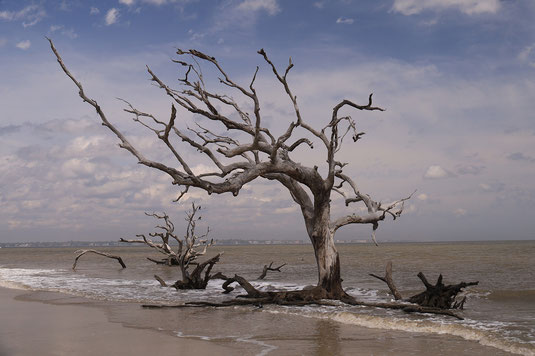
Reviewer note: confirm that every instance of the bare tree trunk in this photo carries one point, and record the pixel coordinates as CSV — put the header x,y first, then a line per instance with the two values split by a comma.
x,y
327,258
328,263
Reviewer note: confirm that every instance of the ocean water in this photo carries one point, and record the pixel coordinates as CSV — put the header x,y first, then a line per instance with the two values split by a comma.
x,y
499,312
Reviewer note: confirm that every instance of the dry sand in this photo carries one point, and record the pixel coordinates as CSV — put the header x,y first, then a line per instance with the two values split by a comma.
x,y
36,328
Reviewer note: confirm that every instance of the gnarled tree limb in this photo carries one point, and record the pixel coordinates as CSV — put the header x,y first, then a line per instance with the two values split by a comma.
x,y
83,252
241,148
270,268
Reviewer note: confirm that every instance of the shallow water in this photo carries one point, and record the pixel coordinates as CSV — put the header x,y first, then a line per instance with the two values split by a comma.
x,y
500,311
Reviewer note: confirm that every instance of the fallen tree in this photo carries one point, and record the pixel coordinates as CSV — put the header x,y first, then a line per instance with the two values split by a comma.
x,y
264,155
294,298
437,296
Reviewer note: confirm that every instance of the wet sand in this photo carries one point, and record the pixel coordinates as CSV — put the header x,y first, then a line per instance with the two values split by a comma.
x,y
36,328
49,323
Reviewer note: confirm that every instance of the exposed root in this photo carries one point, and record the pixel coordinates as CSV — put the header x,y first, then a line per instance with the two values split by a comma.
x,y
313,296
198,279
438,296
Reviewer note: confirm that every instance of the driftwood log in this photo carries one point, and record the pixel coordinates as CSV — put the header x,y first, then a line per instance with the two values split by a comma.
x,y
438,296
312,296
270,268
83,252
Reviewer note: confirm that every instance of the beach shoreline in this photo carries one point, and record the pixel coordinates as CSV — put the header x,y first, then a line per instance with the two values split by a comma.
x,y
49,323
53,323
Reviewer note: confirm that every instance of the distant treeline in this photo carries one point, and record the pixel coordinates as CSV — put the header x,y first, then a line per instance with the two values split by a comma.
x,y
223,242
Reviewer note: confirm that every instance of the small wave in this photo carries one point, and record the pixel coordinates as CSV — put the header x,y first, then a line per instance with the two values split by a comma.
x,y
266,348
467,332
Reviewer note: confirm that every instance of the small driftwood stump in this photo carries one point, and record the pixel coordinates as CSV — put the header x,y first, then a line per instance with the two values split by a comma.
x,y
437,296
83,252
389,282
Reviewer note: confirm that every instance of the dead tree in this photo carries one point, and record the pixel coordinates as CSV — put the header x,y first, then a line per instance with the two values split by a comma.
x,y
83,252
262,154
189,248
190,244
438,296
270,268
171,256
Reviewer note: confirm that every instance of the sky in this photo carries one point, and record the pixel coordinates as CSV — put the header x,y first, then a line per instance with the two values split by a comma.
x,y
456,77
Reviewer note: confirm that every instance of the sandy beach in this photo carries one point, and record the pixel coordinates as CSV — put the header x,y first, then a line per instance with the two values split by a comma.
x,y
50,323
37,328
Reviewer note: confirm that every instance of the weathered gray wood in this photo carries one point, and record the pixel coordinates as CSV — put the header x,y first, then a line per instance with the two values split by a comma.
x,y
270,268
83,252
262,155
438,296
160,280
389,281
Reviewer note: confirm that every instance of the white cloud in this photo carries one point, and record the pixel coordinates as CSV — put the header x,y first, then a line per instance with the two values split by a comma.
x,y
526,55
156,2
195,36
111,16
94,11
54,28
470,169
345,21
164,2
270,6
460,212
126,2
30,15
64,5
24,45
436,172
469,7
422,197
319,4
65,32
69,33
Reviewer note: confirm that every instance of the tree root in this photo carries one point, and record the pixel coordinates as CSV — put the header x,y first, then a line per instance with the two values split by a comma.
x,y
438,296
313,296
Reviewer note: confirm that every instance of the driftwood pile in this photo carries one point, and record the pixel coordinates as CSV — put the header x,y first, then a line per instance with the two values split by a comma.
x,y
438,296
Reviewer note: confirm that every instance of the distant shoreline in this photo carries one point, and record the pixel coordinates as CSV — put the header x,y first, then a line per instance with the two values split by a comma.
x,y
229,242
